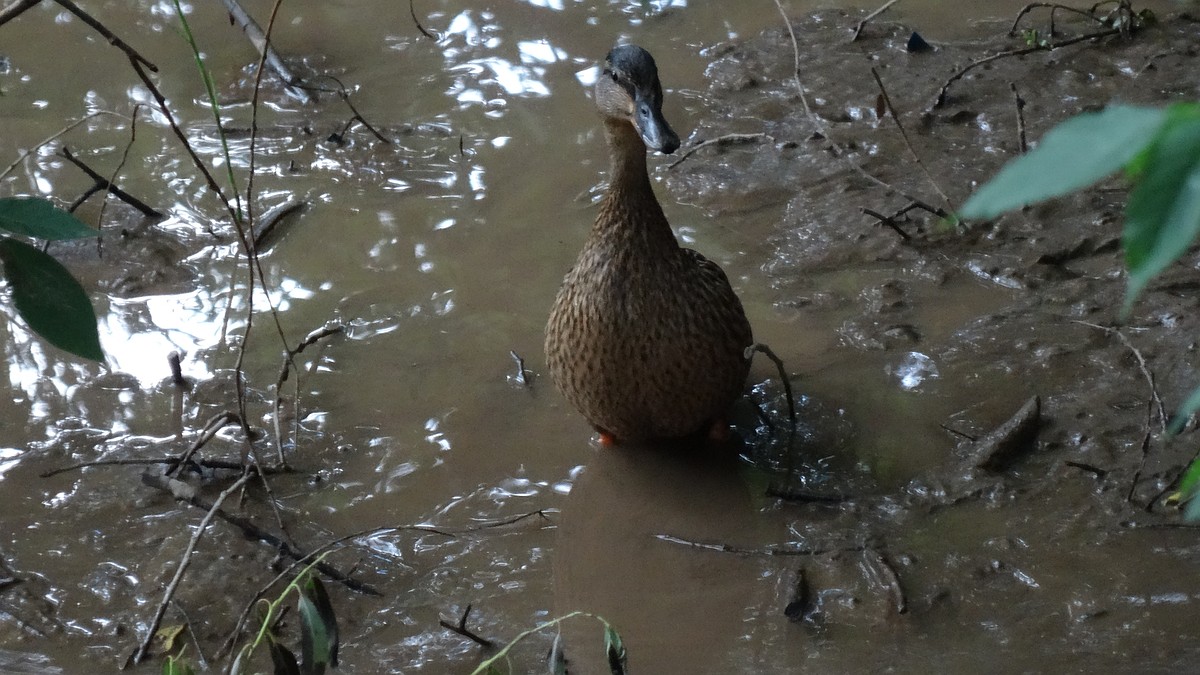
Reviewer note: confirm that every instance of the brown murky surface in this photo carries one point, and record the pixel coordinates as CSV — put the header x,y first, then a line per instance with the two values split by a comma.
x,y
442,251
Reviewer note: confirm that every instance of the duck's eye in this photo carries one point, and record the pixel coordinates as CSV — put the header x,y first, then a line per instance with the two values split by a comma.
x,y
613,73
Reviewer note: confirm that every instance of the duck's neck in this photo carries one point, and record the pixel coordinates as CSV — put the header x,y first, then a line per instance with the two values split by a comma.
x,y
629,208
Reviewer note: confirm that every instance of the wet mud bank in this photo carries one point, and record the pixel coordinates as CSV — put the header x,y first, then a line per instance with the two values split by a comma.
x,y
1065,553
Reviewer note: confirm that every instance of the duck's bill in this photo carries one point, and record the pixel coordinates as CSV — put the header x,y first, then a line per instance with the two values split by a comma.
x,y
653,127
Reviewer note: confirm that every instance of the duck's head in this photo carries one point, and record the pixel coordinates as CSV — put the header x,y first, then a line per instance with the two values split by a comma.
x,y
629,91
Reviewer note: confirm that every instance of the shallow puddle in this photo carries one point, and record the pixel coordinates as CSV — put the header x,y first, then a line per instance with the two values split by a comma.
x,y
441,253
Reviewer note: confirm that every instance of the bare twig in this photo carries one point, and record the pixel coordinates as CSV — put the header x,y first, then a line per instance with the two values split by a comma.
x,y
958,433
413,13
166,111
231,640
15,9
727,139
728,548
1089,468
267,53
207,433
309,340
284,370
907,143
167,461
102,183
787,384
941,97
1154,57
461,629
1154,405
50,139
185,493
890,221
1019,103
796,64
186,560
1054,7
108,35
1146,373
858,29
343,94
117,171
791,401
191,630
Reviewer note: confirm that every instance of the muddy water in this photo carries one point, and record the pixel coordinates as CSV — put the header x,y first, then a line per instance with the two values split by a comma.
x,y
441,252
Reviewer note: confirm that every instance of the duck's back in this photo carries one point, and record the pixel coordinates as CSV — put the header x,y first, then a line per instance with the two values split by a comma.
x,y
647,339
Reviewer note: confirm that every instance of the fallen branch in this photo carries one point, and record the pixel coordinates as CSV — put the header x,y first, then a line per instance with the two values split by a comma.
x,y
186,493
858,29
941,97
184,562
216,464
161,100
102,183
727,548
461,629
16,9
996,449
727,139
267,53
890,221
762,348
413,12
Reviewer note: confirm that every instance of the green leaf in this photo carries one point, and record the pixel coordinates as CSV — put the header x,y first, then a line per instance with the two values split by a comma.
x,y
618,660
1072,155
50,300
318,628
37,217
1163,215
173,666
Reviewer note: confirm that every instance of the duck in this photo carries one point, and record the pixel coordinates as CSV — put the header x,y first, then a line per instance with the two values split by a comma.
x,y
646,338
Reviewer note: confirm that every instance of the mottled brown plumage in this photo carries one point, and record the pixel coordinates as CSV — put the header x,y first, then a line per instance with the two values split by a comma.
x,y
646,338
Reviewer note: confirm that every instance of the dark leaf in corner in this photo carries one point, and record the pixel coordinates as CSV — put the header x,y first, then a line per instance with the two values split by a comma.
x,y
50,300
